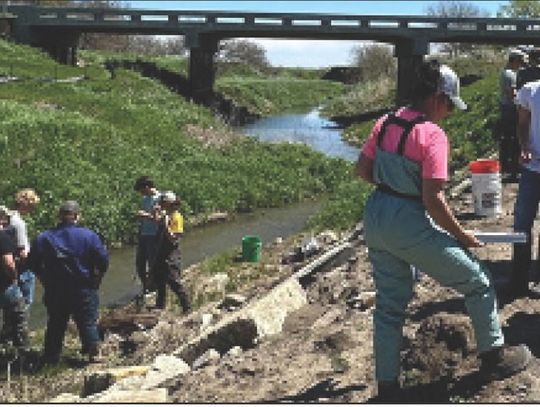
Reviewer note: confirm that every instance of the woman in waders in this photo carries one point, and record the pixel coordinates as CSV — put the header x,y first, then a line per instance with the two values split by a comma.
x,y
407,222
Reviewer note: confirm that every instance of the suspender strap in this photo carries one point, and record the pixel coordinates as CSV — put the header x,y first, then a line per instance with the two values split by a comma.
x,y
406,125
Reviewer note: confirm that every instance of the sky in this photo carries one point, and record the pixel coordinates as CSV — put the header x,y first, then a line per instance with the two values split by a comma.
x,y
305,53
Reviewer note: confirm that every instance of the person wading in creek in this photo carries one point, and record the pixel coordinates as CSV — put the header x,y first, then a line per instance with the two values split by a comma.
x,y
407,222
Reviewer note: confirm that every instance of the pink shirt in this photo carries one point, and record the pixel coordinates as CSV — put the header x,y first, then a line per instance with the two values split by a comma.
x,y
427,144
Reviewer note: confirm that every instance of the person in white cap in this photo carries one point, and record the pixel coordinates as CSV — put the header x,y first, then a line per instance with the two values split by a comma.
x,y
167,265
406,158
508,144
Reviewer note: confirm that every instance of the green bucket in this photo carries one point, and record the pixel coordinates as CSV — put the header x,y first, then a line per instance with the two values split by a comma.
x,y
251,248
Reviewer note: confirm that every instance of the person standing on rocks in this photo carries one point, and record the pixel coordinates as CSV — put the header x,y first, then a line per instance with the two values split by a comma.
x,y
148,229
407,222
528,197
168,262
70,262
25,202
508,144
11,298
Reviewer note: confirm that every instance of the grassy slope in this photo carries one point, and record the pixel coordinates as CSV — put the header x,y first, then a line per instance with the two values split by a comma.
x,y
90,140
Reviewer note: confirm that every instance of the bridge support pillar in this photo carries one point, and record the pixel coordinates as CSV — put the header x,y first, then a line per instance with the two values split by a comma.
x,y
201,67
60,46
410,54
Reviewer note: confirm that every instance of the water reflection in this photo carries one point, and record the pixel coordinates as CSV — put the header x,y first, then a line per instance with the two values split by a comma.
x,y
309,128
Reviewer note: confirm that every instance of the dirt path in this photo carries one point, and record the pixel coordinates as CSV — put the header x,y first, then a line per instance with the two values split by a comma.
x,y
324,352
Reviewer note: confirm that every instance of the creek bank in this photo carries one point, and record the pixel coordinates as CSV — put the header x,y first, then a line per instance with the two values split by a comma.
x,y
324,352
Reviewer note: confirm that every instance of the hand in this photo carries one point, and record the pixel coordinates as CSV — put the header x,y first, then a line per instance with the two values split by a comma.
x,y
96,279
525,156
468,239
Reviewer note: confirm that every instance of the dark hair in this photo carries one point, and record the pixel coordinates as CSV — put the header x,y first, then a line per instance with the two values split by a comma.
x,y
428,76
142,182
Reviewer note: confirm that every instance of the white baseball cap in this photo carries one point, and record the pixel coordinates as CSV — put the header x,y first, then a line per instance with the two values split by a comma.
x,y
449,85
168,196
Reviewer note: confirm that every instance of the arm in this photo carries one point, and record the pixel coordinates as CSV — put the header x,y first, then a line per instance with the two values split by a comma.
x,y
364,168
8,263
435,203
522,129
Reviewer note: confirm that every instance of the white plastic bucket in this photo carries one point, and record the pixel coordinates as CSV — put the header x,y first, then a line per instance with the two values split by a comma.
x,y
486,187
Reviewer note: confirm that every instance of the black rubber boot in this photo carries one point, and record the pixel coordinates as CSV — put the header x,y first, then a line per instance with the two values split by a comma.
x,y
505,361
19,325
388,392
521,263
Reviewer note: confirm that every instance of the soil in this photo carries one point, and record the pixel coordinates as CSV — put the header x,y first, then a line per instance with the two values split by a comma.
x,y
324,353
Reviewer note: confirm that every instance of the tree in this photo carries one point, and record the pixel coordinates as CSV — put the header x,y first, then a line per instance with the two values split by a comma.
x,y
520,9
244,52
456,9
375,61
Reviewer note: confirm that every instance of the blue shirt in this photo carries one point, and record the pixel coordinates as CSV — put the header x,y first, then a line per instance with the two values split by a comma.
x,y
67,253
148,227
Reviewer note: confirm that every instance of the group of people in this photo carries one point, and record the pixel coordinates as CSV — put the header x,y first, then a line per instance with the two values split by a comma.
x,y
158,256
409,225
70,261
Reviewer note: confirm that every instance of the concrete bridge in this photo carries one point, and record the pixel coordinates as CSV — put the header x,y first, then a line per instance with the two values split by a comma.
x,y
57,30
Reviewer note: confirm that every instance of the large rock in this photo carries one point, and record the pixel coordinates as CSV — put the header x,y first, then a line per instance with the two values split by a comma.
x,y
165,367
102,380
158,395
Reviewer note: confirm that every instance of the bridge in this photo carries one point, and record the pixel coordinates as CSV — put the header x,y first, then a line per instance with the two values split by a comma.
x,y
57,30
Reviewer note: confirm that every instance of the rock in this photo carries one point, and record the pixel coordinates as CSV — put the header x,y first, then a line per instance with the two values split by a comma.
x,y
232,301
208,357
362,301
206,321
217,216
158,395
65,398
235,351
102,380
327,237
165,367
269,312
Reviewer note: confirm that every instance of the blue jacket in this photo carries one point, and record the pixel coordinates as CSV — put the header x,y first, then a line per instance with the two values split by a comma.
x,y
67,254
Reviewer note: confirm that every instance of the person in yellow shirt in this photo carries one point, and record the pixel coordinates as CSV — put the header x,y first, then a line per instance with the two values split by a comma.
x,y
167,264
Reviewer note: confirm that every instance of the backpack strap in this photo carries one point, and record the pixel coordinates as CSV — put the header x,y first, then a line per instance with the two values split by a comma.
x,y
406,125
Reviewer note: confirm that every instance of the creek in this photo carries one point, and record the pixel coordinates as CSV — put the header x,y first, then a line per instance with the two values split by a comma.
x,y
120,285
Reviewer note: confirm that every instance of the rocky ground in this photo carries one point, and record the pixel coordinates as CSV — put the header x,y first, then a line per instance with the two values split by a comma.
x,y
322,350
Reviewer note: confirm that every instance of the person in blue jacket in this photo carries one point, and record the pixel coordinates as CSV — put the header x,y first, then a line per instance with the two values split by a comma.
x,y
70,262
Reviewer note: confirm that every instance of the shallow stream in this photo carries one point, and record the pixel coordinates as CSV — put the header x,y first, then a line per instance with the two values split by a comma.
x,y
120,284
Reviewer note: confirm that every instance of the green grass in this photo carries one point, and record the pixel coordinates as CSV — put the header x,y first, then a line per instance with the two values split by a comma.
x,y
89,141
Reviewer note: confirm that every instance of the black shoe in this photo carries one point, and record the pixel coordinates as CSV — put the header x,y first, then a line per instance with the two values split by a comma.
x,y
504,361
388,392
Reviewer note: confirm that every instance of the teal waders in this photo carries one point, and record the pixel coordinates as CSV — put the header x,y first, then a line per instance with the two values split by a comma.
x,y
399,233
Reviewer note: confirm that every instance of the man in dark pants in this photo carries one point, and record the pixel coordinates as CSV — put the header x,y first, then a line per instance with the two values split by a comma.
x,y
508,143
70,262
11,298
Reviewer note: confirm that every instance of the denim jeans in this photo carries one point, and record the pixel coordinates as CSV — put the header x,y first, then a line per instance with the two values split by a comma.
x,y
15,321
146,249
63,302
27,282
525,211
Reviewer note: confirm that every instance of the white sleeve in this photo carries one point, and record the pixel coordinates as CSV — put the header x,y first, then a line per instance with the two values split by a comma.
x,y
523,97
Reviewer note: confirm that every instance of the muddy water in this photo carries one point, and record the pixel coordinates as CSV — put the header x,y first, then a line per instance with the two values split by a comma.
x,y
308,127
120,284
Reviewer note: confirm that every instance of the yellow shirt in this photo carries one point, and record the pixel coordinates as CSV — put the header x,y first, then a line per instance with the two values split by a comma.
x,y
176,223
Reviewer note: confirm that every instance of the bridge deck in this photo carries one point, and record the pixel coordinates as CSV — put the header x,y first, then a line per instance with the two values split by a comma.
x,y
321,26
